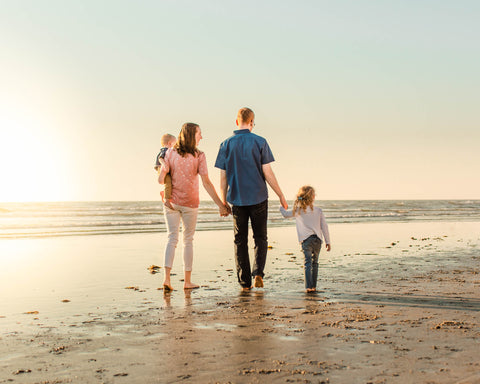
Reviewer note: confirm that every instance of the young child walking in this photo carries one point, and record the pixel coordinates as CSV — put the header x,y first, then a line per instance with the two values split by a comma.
x,y
311,227
167,142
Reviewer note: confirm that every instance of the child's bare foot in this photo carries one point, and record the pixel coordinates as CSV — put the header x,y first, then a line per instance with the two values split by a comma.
x,y
190,286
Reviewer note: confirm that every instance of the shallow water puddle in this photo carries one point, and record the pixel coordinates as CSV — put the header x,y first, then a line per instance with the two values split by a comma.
x,y
216,326
288,338
11,356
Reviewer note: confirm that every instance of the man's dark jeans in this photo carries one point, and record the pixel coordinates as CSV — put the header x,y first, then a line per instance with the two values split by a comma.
x,y
258,217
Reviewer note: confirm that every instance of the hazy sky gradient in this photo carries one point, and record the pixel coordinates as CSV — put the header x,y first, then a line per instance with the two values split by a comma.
x,y
361,99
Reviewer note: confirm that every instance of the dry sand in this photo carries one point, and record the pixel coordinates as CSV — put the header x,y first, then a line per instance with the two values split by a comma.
x,y
399,303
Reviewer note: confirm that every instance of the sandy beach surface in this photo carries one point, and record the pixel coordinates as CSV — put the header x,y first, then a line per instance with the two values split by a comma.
x,y
398,303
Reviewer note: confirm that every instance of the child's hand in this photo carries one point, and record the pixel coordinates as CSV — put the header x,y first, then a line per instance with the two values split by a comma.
x,y
328,247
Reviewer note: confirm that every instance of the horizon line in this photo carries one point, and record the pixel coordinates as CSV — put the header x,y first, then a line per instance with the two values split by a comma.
x,y
159,201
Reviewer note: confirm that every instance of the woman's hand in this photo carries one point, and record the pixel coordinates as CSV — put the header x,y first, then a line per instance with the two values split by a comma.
x,y
328,247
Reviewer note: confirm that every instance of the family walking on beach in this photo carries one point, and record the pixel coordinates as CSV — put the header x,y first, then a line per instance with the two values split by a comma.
x,y
244,161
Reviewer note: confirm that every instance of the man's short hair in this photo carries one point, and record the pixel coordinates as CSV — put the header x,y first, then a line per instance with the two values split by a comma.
x,y
245,116
166,139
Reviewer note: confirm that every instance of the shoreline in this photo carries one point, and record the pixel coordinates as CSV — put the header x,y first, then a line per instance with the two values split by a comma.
x,y
99,218
382,316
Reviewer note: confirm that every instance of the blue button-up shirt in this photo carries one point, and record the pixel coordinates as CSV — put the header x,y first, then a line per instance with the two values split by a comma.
x,y
242,156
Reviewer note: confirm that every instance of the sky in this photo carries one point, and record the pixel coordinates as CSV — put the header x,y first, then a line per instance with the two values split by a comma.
x,y
360,99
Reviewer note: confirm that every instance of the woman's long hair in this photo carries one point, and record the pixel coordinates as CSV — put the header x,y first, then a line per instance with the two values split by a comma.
x,y
186,142
305,198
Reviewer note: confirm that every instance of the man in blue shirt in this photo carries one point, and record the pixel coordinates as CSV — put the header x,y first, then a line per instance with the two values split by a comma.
x,y
244,161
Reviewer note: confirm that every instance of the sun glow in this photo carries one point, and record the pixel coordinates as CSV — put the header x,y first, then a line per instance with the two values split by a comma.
x,y
31,161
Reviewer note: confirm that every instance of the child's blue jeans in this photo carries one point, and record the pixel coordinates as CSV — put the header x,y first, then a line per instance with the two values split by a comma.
x,y
311,249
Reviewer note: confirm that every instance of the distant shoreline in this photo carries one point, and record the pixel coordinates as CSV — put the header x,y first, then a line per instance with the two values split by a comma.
x,y
34,220
209,201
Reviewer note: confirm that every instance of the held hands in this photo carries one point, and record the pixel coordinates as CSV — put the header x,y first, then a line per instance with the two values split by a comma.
x,y
283,202
225,210
328,247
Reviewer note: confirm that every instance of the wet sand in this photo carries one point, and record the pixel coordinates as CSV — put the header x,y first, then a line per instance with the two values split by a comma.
x,y
398,303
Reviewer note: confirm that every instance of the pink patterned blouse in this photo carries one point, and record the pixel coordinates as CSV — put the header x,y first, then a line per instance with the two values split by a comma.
x,y
184,172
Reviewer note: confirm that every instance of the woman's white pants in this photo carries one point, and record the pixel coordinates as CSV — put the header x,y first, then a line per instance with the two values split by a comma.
x,y
188,216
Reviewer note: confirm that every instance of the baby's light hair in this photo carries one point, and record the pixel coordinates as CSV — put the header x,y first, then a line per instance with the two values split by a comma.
x,y
304,199
166,139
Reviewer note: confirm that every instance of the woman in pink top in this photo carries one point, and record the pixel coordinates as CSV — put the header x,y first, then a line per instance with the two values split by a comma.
x,y
185,162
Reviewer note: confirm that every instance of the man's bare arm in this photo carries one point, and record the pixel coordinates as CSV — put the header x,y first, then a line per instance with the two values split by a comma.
x,y
273,183
223,185
224,188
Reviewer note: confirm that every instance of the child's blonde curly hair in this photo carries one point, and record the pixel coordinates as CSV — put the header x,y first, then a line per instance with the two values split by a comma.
x,y
305,198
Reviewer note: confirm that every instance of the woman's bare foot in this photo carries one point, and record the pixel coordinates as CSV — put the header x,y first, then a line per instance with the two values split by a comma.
x,y
167,287
190,286
310,290
188,281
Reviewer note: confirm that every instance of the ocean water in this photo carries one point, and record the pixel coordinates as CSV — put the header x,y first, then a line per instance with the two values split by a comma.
x,y
23,220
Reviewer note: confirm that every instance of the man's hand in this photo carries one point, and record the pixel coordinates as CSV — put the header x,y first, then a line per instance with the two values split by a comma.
x,y
328,247
225,210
